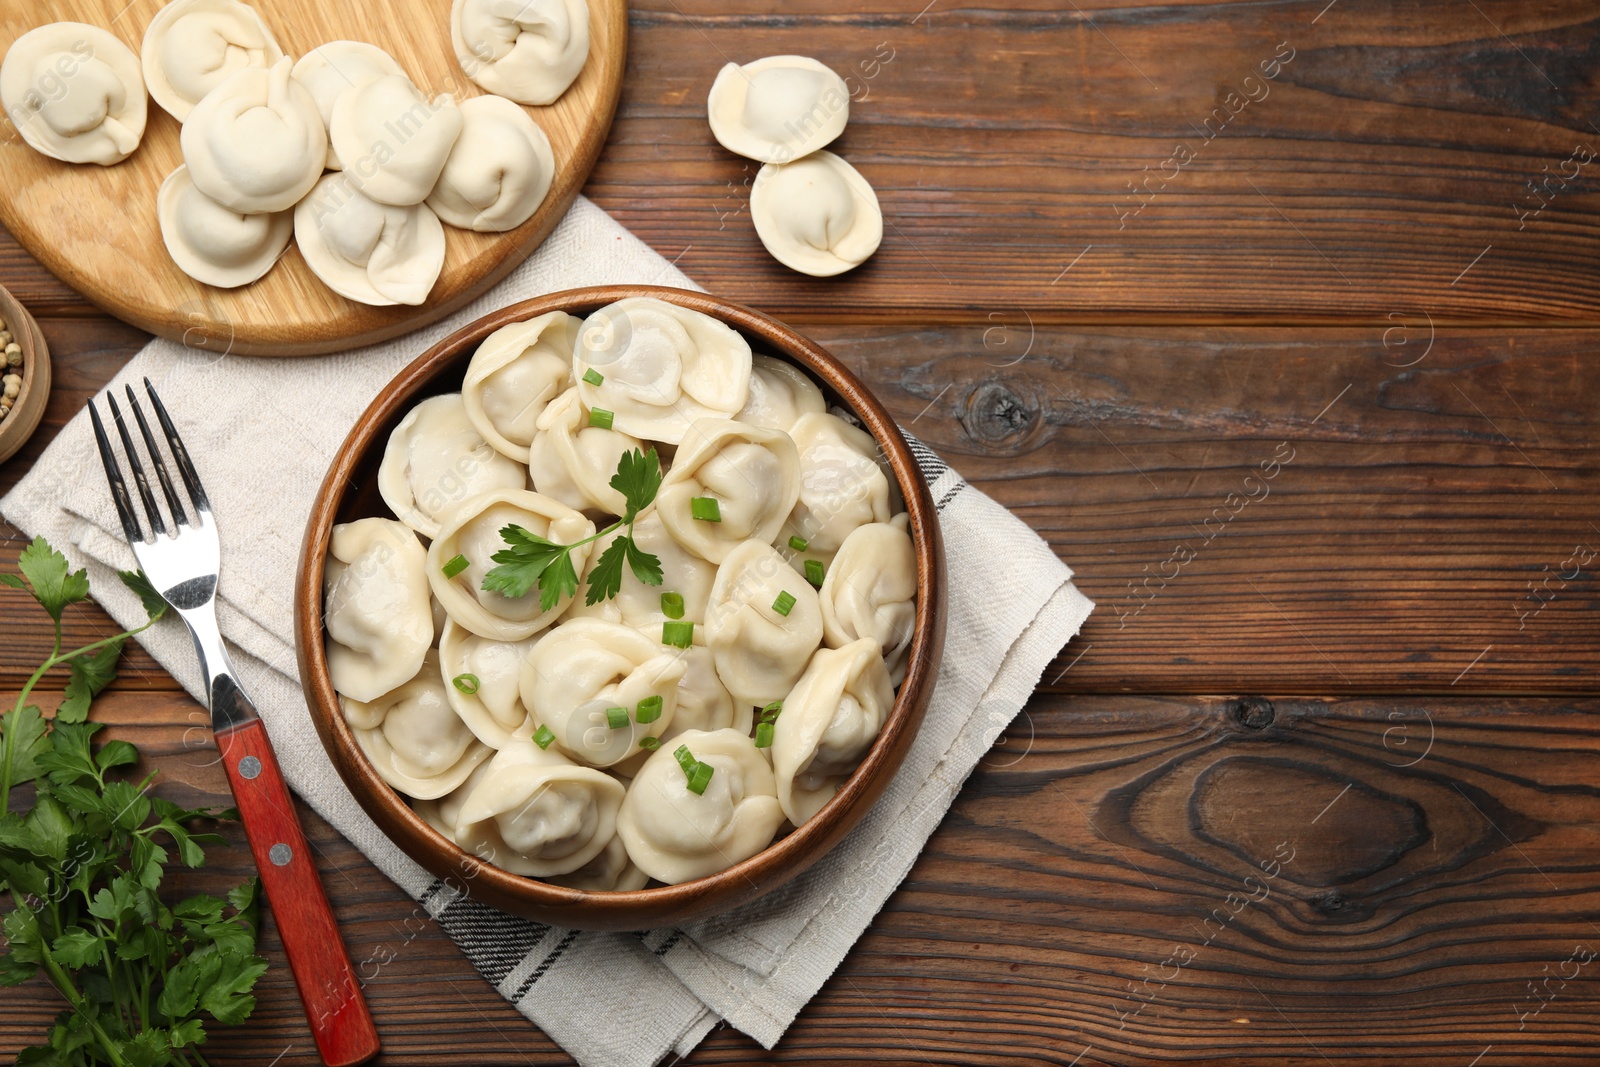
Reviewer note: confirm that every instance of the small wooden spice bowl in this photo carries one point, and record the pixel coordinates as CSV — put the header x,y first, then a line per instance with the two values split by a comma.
x,y
28,408
349,492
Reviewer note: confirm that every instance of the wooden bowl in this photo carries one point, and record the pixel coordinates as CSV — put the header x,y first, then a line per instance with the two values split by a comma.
x,y
350,492
23,419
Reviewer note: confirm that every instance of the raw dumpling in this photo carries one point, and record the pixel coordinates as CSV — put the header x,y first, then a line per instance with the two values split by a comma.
x,y
483,681
375,607
471,529
435,458
828,722
675,835
514,374
753,474
414,739
609,872
780,393
193,46
393,139
574,461
328,70
535,812
661,367
638,605
870,591
761,652
584,667
366,251
817,215
215,244
256,143
777,109
524,50
75,94
499,171
841,485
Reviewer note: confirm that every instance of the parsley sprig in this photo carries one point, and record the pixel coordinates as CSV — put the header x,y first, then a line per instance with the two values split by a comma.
x,y
529,560
84,864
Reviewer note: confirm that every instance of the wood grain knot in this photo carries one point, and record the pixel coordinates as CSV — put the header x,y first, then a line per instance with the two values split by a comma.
x,y
1005,418
1255,712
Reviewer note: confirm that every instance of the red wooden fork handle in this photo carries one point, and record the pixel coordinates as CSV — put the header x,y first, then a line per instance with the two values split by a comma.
x,y
329,991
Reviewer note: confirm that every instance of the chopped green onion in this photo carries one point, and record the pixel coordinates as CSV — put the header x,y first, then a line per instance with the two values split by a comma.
x,y
705,508
700,777
764,735
815,572
466,683
677,634
685,759
672,605
771,711
616,718
593,377
798,543
784,604
649,710
543,737
455,566
649,744
601,417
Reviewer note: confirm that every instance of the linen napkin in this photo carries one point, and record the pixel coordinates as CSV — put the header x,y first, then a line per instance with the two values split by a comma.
x,y
262,432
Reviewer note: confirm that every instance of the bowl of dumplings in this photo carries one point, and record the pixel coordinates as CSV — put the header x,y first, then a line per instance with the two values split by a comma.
x,y
621,606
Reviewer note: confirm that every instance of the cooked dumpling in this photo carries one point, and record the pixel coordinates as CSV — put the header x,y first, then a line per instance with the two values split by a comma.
x,y
780,393
841,485
817,215
214,244
375,607
483,681
828,722
574,461
366,251
535,812
193,46
414,739
638,605
704,703
675,835
499,171
471,529
752,474
514,375
584,668
661,367
75,94
329,70
778,108
524,50
610,872
435,458
441,813
393,139
255,143
870,591
759,650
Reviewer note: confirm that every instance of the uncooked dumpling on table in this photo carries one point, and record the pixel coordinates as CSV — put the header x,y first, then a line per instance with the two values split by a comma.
x,y
256,142
75,93
529,51
215,244
193,46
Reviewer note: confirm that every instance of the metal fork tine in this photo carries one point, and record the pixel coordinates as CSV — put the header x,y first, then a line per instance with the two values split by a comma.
x,y
180,454
119,488
178,516
140,481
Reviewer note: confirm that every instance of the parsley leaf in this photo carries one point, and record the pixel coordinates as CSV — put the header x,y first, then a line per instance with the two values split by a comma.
x,y
53,585
638,478
522,563
646,566
91,672
155,605
605,578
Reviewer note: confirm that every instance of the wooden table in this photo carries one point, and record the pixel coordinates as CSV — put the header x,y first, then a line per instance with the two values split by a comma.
x,y
1318,784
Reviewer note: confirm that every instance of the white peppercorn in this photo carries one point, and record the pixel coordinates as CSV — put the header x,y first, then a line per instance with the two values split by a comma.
x,y
14,359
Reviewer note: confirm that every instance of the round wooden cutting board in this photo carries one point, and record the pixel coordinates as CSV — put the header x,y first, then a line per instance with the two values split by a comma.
x,y
95,227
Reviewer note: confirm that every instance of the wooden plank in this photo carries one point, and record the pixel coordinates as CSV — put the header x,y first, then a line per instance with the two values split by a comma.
x,y
1434,528
1135,879
1386,166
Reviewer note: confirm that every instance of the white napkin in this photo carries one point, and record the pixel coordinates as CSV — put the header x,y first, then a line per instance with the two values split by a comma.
x,y
262,432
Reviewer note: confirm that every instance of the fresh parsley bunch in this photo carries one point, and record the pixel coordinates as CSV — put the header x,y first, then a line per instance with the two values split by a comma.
x,y
83,866
529,559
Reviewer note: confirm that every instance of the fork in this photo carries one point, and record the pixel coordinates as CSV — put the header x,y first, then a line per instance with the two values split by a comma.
x,y
181,559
